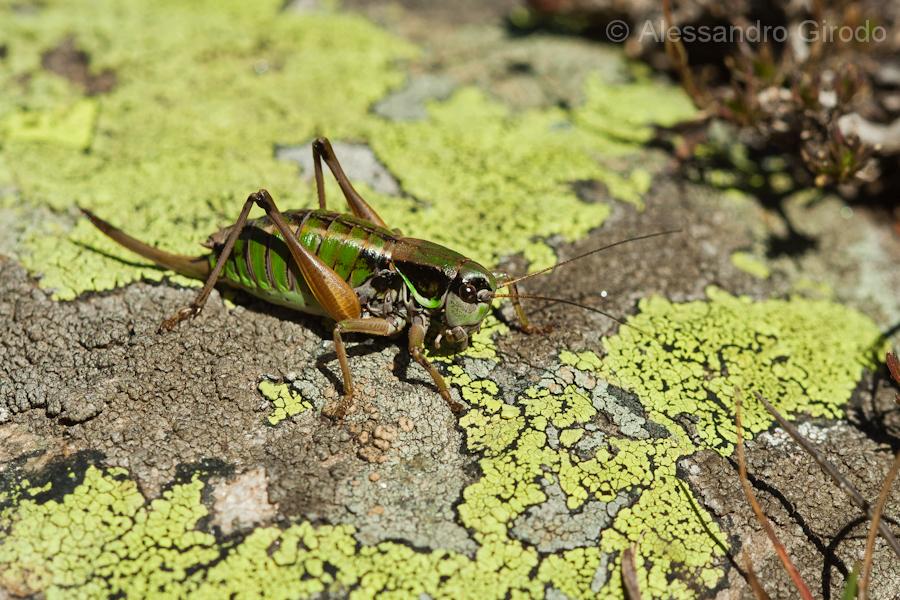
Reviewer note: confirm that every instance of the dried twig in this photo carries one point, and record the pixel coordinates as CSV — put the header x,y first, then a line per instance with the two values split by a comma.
x,y
876,519
757,509
629,575
758,592
841,481
893,366
678,55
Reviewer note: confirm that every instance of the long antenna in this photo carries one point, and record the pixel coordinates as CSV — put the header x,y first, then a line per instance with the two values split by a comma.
x,y
580,256
571,303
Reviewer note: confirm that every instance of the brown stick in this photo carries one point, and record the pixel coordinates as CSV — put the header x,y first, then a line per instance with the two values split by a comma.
x,y
629,574
873,529
757,510
893,366
753,580
841,481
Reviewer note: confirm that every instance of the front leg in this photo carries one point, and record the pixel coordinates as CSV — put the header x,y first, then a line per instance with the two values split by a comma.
x,y
524,322
417,349
369,326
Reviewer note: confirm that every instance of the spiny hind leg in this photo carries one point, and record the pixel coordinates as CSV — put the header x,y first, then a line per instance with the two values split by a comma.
x,y
333,294
197,305
417,349
322,150
370,326
330,290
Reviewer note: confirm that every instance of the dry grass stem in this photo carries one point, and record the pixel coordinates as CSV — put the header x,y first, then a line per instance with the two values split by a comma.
x,y
832,471
757,509
873,529
758,592
629,575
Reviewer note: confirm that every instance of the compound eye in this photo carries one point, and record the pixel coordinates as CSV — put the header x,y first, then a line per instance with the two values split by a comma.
x,y
468,293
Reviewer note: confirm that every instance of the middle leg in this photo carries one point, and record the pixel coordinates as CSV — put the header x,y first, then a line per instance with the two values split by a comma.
x,y
369,326
524,321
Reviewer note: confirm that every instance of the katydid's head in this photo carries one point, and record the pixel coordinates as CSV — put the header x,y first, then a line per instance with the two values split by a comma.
x,y
467,300
467,303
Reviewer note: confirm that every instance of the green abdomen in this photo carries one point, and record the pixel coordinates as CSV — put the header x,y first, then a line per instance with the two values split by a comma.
x,y
261,264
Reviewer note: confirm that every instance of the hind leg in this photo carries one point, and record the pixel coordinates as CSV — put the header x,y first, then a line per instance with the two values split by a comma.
x,y
196,306
322,150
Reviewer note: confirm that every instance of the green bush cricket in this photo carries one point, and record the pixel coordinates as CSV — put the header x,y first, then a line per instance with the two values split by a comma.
x,y
350,268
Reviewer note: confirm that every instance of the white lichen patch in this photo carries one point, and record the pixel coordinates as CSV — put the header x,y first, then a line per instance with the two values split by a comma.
x,y
242,502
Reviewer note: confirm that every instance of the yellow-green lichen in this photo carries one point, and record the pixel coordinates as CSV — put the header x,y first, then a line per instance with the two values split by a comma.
x,y
751,264
64,125
204,93
135,546
803,355
513,463
286,402
629,112
102,537
508,181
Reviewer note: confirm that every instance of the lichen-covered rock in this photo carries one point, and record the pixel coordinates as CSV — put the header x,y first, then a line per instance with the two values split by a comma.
x,y
198,463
